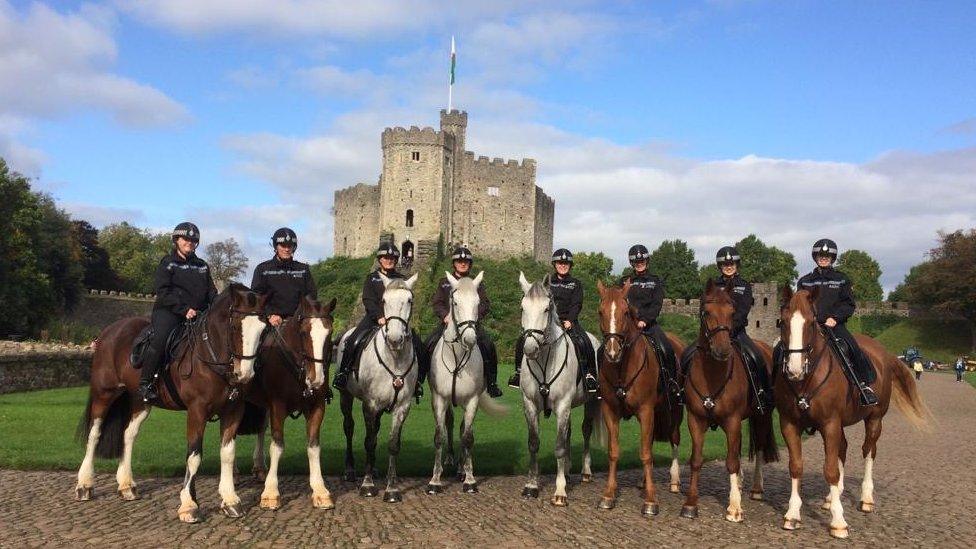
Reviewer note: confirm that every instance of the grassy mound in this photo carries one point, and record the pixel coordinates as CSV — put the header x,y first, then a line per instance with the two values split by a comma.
x,y
941,340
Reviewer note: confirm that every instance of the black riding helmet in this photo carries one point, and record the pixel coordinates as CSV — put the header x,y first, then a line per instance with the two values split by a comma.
x,y
285,237
562,254
727,254
824,246
186,230
388,249
461,253
638,252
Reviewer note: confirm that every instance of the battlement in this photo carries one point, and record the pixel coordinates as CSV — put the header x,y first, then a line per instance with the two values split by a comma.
x,y
893,308
454,118
482,161
414,136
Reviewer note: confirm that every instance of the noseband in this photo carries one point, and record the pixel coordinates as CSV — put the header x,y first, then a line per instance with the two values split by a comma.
x,y
460,327
624,344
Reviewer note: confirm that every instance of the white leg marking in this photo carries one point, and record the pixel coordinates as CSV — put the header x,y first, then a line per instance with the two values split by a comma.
x,y
867,487
675,469
795,361
840,483
226,486
793,512
271,481
319,333
837,522
251,329
734,511
86,473
192,465
124,473
315,472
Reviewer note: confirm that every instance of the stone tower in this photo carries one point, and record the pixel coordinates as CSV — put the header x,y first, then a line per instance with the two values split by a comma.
x,y
454,123
764,315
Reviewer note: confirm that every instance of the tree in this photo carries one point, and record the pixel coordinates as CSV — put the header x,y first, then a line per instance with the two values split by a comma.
x,y
593,265
675,262
94,259
227,261
762,263
864,272
945,282
134,254
900,293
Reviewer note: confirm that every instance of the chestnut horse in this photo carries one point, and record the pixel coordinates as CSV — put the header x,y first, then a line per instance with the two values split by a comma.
x,y
216,358
813,394
629,375
717,394
291,379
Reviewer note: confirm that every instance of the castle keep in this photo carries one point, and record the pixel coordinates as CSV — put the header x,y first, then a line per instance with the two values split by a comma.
x,y
431,188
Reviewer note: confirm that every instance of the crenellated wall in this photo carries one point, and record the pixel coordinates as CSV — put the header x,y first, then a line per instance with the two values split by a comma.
x,y
356,214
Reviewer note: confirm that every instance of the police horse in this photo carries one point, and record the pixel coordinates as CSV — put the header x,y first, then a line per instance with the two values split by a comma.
x,y
384,381
550,382
457,380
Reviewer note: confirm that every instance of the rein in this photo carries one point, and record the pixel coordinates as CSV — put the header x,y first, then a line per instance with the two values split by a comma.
x,y
548,345
459,363
298,367
397,378
804,396
709,401
622,390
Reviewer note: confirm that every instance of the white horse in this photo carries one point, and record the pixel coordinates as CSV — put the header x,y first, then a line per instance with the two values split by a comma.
x,y
387,374
457,379
549,374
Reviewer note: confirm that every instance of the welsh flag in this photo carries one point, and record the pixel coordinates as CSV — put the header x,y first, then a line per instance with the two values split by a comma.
x,y
453,60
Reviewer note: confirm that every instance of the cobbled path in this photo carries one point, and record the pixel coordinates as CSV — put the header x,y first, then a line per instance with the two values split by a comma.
x,y
925,484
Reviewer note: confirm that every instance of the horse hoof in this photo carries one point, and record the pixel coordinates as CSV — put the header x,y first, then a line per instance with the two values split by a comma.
x,y
650,509
758,496
840,532
469,487
392,496
675,488
689,511
323,502
791,524
368,491
271,503
84,493
129,494
528,492
191,516
434,489
733,516
558,501
607,503
867,507
459,476
232,510
587,478
259,474
350,476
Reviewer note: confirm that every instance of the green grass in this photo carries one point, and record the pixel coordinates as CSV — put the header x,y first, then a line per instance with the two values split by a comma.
x,y
970,378
37,430
941,340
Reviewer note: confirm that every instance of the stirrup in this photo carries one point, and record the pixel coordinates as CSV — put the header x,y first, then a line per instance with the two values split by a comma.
x,y
148,393
340,380
515,381
868,396
493,390
590,383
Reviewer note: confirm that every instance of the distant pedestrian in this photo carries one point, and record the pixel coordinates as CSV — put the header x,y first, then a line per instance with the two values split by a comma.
x,y
960,368
917,366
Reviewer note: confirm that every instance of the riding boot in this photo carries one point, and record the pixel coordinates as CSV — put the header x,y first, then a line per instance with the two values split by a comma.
x,y
516,380
423,364
665,357
853,362
348,356
147,382
584,350
489,358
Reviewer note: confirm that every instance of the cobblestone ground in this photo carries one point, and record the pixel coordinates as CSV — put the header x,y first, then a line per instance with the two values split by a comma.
x,y
924,484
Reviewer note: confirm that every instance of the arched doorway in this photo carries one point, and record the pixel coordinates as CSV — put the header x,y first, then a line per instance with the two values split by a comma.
x,y
406,258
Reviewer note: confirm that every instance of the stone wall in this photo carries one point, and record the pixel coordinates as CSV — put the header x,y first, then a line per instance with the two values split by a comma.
x,y
98,309
356,212
545,219
34,370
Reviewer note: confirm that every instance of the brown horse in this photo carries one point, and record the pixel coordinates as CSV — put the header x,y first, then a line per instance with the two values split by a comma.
x,y
717,395
812,393
291,379
629,374
216,358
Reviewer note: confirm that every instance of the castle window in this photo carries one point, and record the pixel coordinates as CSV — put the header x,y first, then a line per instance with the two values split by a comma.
x,y
409,218
415,156
765,302
757,324
493,191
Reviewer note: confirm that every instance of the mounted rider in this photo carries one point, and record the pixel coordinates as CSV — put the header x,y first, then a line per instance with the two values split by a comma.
x,y
646,296
184,290
462,259
387,255
284,280
835,304
727,259
567,293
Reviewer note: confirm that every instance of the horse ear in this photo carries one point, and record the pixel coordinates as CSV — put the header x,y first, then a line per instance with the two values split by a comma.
x,y
626,287
813,295
600,287
385,279
477,279
709,286
331,306
546,281
524,283
411,281
785,296
451,279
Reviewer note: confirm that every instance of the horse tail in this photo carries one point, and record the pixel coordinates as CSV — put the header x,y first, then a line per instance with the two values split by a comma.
x,y
492,408
905,394
252,422
762,439
110,440
602,436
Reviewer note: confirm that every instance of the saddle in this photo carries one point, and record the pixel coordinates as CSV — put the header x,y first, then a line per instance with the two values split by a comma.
x,y
667,360
141,344
358,346
850,355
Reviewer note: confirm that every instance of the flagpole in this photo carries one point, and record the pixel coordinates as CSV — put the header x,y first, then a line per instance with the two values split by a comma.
x,y
450,87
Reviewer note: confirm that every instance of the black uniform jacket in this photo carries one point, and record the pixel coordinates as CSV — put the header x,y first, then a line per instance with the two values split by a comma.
x,y
646,295
373,290
836,297
742,301
285,283
183,284
442,299
567,292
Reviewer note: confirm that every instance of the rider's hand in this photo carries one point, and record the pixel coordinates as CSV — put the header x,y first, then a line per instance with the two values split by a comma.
x,y
274,320
830,322
447,319
567,324
381,321
641,324
191,314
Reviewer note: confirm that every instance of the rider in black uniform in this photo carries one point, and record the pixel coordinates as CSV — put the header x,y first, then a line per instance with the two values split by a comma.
x,y
835,304
462,259
283,279
646,294
387,255
567,293
184,290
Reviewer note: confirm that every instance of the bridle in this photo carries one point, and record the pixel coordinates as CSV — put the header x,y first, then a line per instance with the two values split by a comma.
x,y
625,345
203,324
542,339
460,327
298,367
398,378
805,395
465,357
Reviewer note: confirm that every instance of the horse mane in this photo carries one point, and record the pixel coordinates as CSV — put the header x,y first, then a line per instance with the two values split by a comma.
x,y
801,302
538,290
397,284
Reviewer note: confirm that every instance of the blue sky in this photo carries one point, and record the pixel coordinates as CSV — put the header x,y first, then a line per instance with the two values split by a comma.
x,y
710,119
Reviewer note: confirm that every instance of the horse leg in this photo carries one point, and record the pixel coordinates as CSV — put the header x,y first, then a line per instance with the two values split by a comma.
x,y
230,503
459,469
696,426
439,405
841,460
258,469
127,486
733,441
832,433
392,493
756,492
97,408
589,414
564,428
872,430
612,422
675,486
196,422
450,458
270,497
348,427
470,485
371,418
531,488
646,417
321,498
791,434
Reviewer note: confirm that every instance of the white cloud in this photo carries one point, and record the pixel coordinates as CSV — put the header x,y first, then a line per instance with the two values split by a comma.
x,y
100,216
